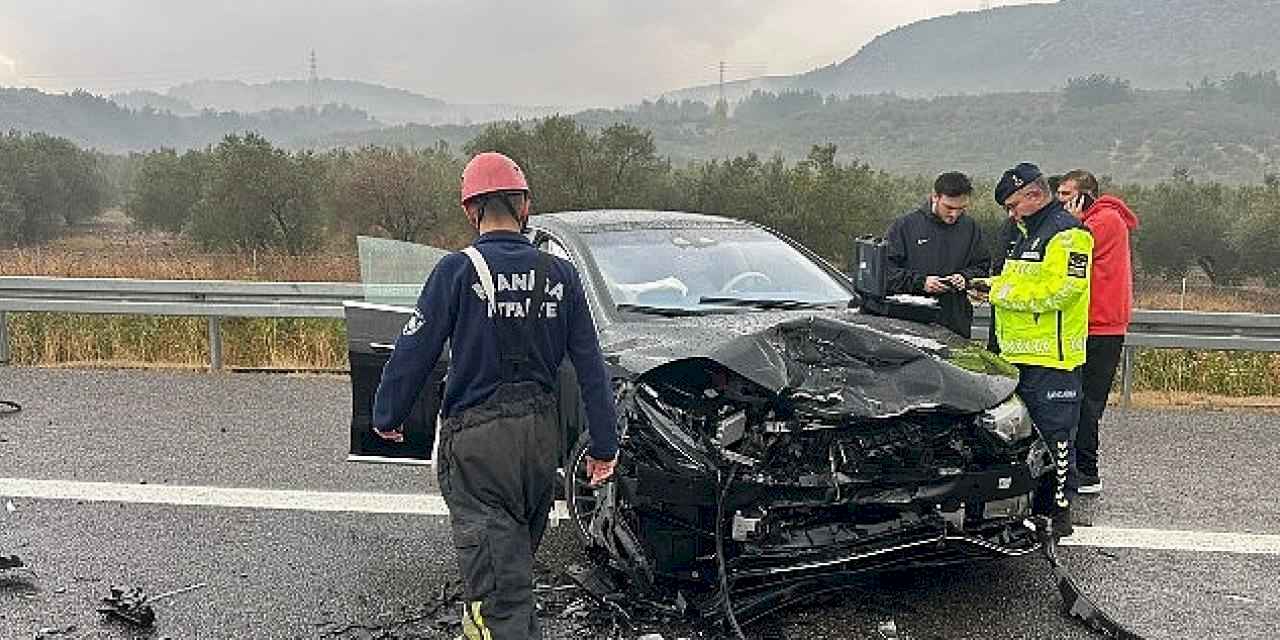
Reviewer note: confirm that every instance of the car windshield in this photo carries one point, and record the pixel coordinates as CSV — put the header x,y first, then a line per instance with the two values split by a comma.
x,y
700,267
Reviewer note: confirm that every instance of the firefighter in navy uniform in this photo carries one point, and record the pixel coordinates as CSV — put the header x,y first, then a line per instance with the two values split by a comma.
x,y
510,313
1041,304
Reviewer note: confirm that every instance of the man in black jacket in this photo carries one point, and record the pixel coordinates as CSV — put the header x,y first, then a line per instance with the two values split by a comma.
x,y
936,250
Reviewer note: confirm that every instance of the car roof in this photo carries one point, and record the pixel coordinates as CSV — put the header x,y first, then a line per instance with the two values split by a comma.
x,y
601,220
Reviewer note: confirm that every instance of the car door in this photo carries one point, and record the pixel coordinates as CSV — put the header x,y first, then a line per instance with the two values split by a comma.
x,y
572,414
392,274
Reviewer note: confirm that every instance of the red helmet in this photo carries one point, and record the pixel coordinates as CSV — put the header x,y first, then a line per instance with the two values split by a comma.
x,y
491,172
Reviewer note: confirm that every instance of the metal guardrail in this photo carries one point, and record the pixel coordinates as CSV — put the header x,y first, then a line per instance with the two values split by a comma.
x,y
211,299
216,299
1199,330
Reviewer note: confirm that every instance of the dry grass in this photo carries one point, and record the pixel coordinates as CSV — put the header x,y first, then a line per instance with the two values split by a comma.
x,y
170,262
1205,297
1165,399
1223,373
110,248
285,343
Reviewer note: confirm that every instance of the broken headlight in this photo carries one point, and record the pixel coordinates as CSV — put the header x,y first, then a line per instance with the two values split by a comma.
x,y
1010,420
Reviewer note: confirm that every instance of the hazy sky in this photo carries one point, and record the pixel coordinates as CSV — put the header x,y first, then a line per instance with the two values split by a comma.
x,y
562,52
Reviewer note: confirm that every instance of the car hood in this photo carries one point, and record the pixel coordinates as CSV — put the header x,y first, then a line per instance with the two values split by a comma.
x,y
839,363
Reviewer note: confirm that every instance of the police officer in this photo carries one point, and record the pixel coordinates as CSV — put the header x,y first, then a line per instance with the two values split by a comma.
x,y
510,314
937,250
1041,303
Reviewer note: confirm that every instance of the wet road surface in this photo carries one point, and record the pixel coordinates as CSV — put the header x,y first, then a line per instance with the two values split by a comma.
x,y
108,469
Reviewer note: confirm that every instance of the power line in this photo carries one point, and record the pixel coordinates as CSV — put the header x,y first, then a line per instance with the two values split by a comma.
x,y
721,82
314,82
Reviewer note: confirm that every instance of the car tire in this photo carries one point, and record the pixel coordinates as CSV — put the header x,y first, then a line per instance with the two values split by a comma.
x,y
579,499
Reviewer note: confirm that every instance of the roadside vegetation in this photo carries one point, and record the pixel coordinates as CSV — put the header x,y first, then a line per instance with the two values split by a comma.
x,y
249,210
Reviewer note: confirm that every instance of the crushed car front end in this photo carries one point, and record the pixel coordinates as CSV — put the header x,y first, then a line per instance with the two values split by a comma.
x,y
812,450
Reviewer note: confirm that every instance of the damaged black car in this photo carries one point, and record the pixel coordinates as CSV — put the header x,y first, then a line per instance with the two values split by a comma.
x,y
777,437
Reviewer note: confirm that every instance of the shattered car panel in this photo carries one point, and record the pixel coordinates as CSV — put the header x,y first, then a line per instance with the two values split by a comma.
x,y
839,364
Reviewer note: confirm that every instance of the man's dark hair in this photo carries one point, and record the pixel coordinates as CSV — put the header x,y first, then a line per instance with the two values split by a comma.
x,y
503,202
1085,182
1054,181
953,184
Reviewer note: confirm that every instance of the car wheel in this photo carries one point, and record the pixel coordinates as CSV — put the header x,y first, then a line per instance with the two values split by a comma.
x,y
579,497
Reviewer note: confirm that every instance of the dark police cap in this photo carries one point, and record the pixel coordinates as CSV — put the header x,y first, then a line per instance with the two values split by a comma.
x,y
1015,179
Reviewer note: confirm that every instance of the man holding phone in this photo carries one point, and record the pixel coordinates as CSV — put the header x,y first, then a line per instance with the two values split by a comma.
x,y
1041,304
937,250
1110,221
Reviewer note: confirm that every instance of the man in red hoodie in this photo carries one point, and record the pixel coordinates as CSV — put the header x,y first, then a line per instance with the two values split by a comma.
x,y
1110,220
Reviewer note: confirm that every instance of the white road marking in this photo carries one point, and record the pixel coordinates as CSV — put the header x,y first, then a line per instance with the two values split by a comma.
x,y
1172,540
235,498
433,505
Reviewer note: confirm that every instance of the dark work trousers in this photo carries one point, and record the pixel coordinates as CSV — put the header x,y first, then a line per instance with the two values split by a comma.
x,y
1052,397
1096,376
497,473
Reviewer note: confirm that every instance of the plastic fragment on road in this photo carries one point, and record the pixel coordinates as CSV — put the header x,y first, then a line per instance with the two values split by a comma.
x,y
134,606
130,606
1074,603
594,580
888,629
47,633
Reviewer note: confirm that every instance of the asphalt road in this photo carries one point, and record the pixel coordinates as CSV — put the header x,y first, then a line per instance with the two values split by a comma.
x,y
298,573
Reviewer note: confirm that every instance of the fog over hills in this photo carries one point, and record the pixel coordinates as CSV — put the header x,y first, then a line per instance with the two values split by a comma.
x,y
385,104
1155,44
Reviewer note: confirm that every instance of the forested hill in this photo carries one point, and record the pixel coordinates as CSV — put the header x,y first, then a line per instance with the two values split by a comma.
x,y
1227,131
1154,44
386,104
96,122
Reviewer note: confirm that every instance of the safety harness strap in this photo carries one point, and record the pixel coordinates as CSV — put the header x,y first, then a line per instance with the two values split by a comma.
x,y
486,277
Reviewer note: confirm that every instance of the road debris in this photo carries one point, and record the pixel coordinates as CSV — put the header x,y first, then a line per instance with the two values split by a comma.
x,y
130,606
1235,597
599,601
48,633
441,611
9,407
134,606
10,562
1074,603
888,629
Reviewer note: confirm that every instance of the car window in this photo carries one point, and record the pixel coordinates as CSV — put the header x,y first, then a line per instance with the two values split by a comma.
x,y
552,246
392,271
679,267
